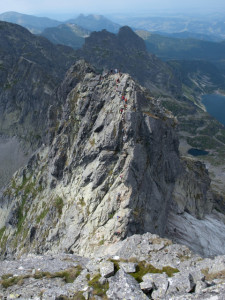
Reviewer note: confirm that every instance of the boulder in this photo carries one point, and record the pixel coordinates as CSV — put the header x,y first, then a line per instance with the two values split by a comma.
x,y
124,286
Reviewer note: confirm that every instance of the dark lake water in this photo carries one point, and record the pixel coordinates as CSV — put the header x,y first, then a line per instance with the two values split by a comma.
x,y
197,152
215,106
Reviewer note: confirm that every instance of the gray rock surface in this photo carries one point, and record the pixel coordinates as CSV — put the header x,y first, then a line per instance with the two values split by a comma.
x,y
123,286
107,269
54,276
128,267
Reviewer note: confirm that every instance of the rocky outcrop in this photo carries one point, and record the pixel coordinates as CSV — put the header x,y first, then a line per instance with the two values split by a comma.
x,y
110,169
162,270
193,219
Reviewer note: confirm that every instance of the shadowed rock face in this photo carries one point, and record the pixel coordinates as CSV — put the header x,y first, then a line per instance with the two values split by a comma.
x,y
30,69
105,174
12,157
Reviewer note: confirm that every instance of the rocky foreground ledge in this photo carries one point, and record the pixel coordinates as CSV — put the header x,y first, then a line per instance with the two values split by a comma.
x,y
140,267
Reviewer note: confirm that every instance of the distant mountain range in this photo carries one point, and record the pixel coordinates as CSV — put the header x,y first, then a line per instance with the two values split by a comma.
x,y
168,48
70,35
38,24
212,26
32,23
95,23
191,35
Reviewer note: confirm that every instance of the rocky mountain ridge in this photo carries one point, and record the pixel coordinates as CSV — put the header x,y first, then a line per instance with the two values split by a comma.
x,y
32,23
37,25
110,169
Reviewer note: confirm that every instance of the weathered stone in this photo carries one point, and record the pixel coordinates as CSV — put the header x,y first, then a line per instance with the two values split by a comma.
x,y
159,282
218,265
124,286
181,283
199,286
107,269
147,286
128,267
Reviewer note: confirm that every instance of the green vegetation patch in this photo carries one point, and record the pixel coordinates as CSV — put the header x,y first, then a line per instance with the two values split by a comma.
x,y
211,129
68,275
81,201
58,203
191,125
42,215
178,108
144,268
203,142
9,280
221,136
21,216
2,230
98,288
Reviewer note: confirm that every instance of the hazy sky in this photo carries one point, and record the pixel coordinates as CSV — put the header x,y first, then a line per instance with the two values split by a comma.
x,y
74,7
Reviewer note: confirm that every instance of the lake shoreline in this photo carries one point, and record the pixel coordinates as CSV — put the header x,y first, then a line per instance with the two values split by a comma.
x,y
215,105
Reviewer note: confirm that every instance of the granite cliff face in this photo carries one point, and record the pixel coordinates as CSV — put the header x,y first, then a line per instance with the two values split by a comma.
x,y
110,169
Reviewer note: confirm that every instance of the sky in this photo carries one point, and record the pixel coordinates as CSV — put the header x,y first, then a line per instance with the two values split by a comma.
x,y
74,7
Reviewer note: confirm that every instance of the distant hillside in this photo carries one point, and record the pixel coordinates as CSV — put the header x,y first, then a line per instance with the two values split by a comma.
x,y
67,34
190,35
32,23
168,48
95,23
201,76
170,24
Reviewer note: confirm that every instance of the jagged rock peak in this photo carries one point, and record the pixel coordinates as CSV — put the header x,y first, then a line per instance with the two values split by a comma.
x,y
127,51
127,35
108,171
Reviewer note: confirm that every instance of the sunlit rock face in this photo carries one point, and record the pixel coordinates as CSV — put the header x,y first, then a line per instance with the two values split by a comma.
x,y
110,169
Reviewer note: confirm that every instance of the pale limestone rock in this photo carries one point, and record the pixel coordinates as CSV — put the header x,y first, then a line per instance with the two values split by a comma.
x,y
180,283
128,267
124,286
107,269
